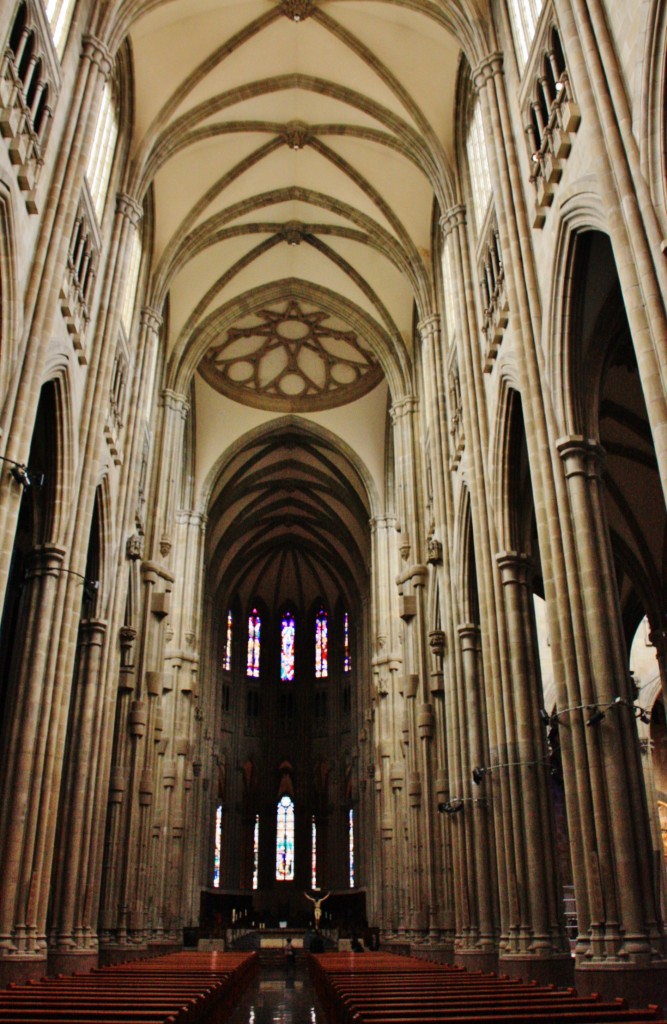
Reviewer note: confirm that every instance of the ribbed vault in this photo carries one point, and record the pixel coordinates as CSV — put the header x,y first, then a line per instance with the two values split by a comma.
x,y
289,522
294,140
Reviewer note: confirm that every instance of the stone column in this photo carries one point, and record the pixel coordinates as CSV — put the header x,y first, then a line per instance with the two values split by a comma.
x,y
42,295
31,709
619,877
74,936
435,419
470,819
538,930
634,227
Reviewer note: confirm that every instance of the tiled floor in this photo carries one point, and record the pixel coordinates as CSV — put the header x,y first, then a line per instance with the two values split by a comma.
x,y
277,998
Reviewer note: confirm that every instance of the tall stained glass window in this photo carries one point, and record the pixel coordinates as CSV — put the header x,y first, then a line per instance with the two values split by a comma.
x,y
351,845
217,848
313,854
287,634
227,662
321,645
254,630
524,15
285,840
102,151
347,657
255,854
478,165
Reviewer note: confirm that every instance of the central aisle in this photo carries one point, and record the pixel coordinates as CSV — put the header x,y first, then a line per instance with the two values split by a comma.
x,y
279,997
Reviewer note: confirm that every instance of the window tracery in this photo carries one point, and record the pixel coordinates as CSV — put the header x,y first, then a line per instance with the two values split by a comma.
x,y
76,291
254,644
524,15
227,660
321,645
551,118
98,172
495,306
478,167
285,840
287,641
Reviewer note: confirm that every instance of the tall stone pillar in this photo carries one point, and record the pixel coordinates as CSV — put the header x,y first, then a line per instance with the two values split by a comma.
x,y
469,816
435,418
73,939
32,711
536,928
619,920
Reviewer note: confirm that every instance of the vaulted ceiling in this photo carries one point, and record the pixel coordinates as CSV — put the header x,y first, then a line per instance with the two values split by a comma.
x,y
296,150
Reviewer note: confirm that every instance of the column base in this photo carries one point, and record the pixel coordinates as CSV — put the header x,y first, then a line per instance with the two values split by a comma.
x,y
545,970
485,960
121,954
162,948
436,952
19,970
638,985
69,963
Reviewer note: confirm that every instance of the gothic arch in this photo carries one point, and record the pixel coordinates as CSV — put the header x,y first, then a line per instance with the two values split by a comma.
x,y
653,130
466,568
580,211
9,306
293,424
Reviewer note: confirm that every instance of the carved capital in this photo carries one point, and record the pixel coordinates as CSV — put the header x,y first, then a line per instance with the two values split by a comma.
x,y
151,319
129,207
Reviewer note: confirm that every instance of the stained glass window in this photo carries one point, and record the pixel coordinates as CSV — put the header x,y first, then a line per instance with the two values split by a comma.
x,y
524,15
347,657
217,846
478,164
285,840
313,855
255,854
287,633
227,665
59,13
321,646
102,151
351,846
254,629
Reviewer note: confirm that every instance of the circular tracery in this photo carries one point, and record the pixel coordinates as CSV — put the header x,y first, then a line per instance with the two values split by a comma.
x,y
291,356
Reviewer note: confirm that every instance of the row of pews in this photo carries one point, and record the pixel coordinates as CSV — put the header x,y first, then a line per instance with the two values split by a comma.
x,y
180,988
383,988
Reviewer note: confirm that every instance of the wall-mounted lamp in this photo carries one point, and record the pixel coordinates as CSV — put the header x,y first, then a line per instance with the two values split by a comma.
x,y
23,476
451,806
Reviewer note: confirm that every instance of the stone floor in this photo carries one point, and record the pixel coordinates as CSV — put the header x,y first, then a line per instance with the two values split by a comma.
x,y
278,997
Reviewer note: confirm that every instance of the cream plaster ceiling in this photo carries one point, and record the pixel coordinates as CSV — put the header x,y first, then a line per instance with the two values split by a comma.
x,y
297,152
334,116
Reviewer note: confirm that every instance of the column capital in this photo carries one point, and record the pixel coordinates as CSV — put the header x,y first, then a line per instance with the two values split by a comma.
x,y
382,523
429,327
487,68
45,560
129,207
452,218
98,53
515,567
150,318
469,635
403,407
175,401
582,456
